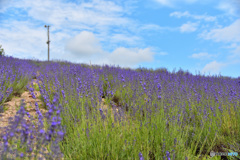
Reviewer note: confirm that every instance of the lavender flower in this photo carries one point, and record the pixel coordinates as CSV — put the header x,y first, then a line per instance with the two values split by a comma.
x,y
140,156
102,114
168,155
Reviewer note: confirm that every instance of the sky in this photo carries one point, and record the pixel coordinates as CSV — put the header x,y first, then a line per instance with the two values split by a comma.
x,y
199,36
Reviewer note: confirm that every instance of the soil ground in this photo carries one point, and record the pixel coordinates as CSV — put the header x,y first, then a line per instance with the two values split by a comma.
x,y
14,105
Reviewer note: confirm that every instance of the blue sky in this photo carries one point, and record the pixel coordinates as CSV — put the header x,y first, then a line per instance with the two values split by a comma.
x,y
195,35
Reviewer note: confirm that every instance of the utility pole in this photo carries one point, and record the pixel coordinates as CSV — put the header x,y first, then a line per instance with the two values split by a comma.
x,y
48,42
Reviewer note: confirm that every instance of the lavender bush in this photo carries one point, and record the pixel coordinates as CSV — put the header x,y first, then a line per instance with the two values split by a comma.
x,y
161,114
14,76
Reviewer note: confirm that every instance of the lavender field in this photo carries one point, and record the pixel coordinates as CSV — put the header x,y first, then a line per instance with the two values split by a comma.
x,y
148,114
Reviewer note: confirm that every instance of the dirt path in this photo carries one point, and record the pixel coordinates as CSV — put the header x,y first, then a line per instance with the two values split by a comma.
x,y
104,107
14,105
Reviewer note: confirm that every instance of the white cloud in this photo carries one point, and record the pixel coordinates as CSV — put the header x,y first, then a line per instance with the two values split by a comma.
x,y
162,53
165,2
4,4
150,27
100,14
123,38
213,67
230,33
189,27
67,20
21,39
230,7
154,27
202,55
128,57
188,15
235,51
173,3
85,46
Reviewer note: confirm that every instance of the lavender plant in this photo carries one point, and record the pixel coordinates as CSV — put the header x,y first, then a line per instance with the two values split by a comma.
x,y
14,77
161,114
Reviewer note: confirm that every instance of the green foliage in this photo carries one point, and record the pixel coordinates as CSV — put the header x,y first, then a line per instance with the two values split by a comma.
x,y
37,63
2,52
18,87
36,87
